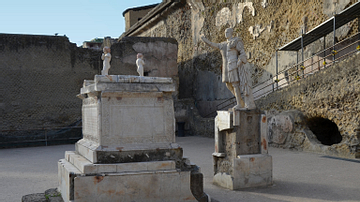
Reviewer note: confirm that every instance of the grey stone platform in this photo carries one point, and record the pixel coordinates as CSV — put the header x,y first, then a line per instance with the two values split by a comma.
x,y
297,176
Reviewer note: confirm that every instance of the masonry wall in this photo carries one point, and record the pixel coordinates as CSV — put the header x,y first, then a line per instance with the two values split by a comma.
x,y
159,55
133,16
331,94
40,78
264,27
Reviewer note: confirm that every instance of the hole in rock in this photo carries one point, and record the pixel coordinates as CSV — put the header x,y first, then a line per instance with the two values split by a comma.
x,y
325,130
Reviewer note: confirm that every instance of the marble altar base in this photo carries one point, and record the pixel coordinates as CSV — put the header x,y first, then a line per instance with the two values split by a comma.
x,y
128,151
80,180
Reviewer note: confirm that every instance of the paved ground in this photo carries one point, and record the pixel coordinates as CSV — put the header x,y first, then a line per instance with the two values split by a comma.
x,y
297,176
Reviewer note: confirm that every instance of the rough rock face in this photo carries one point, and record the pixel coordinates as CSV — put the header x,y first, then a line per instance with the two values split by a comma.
x,y
328,115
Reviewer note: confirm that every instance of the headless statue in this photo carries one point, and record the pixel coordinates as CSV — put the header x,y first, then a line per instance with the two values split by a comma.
x,y
106,57
140,64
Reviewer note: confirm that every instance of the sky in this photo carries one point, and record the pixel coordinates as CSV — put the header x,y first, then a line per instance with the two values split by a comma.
x,y
79,20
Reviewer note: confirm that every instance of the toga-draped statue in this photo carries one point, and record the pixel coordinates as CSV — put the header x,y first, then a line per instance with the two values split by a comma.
x,y
234,73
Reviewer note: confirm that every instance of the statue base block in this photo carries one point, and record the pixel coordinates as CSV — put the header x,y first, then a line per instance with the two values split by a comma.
x,y
81,180
241,157
248,171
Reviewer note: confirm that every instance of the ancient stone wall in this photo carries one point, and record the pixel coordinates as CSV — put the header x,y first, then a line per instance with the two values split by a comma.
x,y
160,55
40,78
264,27
327,116
177,25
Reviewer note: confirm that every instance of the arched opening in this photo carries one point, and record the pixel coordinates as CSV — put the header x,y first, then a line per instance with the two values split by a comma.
x,y
181,129
325,130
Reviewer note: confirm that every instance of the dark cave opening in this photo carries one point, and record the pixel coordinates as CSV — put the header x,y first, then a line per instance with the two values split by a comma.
x,y
325,130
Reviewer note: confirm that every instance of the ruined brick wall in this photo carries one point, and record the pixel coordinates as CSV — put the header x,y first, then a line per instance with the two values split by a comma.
x,y
40,77
331,94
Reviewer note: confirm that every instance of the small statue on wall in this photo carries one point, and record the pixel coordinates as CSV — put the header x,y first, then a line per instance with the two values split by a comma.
x,y
140,64
234,73
106,57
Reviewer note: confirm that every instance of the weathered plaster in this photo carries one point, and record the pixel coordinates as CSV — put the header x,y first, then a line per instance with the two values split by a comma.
x,y
197,20
256,30
240,10
264,3
223,17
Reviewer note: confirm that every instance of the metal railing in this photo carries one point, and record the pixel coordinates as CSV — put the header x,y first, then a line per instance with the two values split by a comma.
x,y
301,70
40,135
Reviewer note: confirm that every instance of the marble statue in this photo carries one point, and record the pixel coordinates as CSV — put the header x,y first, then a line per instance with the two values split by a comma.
x,y
106,56
234,73
140,64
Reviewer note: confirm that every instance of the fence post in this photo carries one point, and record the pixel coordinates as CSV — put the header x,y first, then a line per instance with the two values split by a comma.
x,y
334,30
302,52
46,143
324,52
277,70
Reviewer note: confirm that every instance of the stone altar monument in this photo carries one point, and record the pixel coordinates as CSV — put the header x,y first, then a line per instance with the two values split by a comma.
x,y
128,151
241,157
106,56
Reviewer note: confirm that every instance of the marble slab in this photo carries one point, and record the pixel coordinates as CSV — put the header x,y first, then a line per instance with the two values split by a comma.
x,y
248,171
156,186
86,167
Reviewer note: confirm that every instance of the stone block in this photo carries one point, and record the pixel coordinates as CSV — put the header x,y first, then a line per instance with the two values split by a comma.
x,y
86,167
128,153
133,167
135,186
224,120
122,113
252,171
68,155
87,149
146,104
155,80
129,79
247,131
66,174
82,164
160,165
223,180
106,168
248,171
105,78
128,83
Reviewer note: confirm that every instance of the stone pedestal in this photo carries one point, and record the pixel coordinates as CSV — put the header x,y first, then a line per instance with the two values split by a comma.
x,y
241,157
128,151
